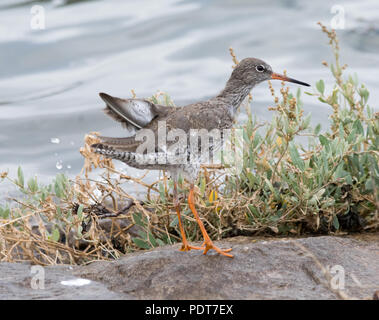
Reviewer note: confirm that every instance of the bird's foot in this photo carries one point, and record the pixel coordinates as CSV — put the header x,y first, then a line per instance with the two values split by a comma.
x,y
187,247
208,245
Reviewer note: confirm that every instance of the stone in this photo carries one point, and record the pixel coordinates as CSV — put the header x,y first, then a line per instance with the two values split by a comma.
x,y
324,267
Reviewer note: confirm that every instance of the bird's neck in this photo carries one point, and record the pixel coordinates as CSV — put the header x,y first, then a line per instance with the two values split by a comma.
x,y
235,92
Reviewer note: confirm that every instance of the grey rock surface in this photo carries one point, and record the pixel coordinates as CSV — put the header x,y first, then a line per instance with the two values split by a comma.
x,y
288,268
21,281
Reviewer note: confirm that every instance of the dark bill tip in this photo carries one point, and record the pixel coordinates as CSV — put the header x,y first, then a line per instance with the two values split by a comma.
x,y
278,76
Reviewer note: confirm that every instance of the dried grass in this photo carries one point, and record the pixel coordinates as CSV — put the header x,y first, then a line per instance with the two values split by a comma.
x,y
330,186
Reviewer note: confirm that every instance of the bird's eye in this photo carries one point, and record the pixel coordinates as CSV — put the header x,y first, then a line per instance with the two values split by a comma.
x,y
260,68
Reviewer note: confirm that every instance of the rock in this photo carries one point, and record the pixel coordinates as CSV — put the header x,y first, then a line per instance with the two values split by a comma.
x,y
16,282
262,269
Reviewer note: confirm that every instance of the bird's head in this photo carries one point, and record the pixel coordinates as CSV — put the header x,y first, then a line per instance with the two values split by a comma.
x,y
252,71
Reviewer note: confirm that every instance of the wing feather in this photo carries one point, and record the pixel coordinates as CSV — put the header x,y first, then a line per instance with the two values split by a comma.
x,y
135,112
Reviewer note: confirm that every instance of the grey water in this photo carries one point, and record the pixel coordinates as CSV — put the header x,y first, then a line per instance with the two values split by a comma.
x,y
50,78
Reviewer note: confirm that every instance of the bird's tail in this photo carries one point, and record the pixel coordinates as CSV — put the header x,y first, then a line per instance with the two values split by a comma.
x,y
136,160
109,152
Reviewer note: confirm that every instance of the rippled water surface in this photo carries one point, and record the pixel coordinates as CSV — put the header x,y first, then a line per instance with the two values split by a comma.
x,y
50,79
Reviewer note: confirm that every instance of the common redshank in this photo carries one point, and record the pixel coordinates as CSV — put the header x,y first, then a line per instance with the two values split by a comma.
x,y
216,113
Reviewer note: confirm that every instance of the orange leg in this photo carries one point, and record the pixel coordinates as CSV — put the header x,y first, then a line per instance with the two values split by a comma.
x,y
207,241
186,246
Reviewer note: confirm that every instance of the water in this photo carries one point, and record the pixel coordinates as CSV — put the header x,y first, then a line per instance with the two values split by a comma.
x,y
50,79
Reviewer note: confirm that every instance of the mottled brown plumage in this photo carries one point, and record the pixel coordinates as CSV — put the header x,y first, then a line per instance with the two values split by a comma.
x,y
215,113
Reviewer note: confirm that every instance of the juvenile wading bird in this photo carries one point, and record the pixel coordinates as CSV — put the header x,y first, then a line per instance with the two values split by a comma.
x,y
215,113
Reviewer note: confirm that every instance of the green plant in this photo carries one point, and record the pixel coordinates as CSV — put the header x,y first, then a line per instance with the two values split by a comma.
x,y
284,187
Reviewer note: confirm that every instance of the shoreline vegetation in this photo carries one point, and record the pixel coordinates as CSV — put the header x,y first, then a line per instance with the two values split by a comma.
x,y
329,186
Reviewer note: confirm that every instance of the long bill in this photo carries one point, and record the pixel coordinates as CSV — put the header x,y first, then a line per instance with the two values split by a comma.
x,y
278,76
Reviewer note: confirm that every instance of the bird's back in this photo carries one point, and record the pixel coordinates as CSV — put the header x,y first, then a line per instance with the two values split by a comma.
x,y
208,115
